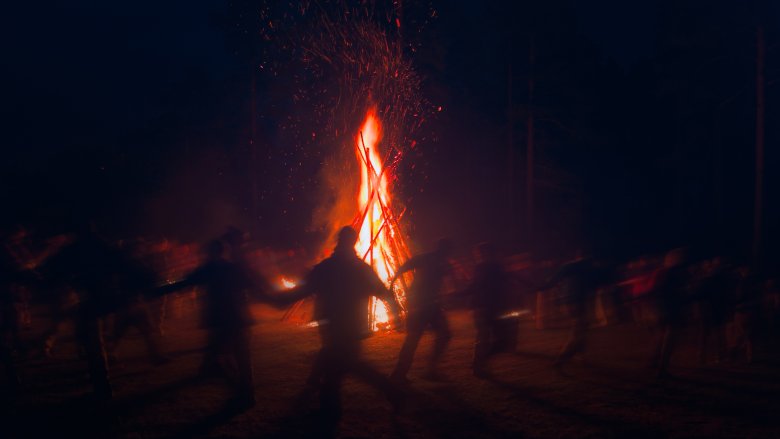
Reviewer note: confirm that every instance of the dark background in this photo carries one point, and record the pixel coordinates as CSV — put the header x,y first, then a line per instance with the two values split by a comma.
x,y
139,115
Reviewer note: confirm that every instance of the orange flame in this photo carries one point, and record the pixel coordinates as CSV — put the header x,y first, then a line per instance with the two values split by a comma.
x,y
379,242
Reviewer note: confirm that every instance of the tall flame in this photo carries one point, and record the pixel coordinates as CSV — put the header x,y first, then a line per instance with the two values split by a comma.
x,y
379,242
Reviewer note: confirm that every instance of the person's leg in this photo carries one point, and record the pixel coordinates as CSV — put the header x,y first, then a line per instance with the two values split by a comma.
x,y
415,326
705,328
91,338
481,344
330,394
574,345
443,336
214,349
122,322
143,321
667,348
313,382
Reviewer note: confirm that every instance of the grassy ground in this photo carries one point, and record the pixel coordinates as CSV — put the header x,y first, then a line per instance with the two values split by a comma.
x,y
608,393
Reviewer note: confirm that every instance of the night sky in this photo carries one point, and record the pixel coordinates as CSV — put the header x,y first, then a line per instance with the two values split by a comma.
x,y
138,115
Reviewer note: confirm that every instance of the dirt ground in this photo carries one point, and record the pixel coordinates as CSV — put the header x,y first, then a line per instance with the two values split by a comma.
x,y
608,393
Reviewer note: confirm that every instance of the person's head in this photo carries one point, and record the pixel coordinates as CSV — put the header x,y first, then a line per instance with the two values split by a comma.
x,y
215,250
347,238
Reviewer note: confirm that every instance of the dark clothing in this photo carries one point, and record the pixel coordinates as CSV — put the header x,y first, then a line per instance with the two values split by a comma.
x,y
490,301
424,310
99,273
583,280
226,301
490,289
671,296
715,297
227,314
343,284
136,315
748,308
672,301
429,271
416,323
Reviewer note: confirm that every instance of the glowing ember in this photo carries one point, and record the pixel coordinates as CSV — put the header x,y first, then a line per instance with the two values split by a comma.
x,y
380,242
287,283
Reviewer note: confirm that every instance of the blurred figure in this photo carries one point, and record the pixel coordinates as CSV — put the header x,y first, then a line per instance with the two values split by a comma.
x,y
343,283
228,318
424,309
640,278
91,267
671,304
490,302
715,295
134,312
748,309
582,278
237,241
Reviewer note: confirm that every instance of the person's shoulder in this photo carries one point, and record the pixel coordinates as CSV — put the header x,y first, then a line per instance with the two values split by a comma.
x,y
323,264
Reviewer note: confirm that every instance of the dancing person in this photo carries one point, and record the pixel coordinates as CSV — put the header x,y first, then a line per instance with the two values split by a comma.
x,y
342,285
424,309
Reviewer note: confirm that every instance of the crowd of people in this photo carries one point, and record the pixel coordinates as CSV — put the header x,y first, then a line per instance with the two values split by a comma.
x,y
84,279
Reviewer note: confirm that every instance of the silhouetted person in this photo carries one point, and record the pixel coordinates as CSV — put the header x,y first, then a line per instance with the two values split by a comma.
x,y
228,318
237,241
671,303
91,267
424,309
748,308
343,284
490,301
715,296
133,312
583,278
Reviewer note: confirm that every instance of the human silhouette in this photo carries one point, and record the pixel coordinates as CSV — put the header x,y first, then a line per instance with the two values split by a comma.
x,y
671,297
342,284
583,277
490,302
135,315
715,297
424,309
747,311
91,267
228,319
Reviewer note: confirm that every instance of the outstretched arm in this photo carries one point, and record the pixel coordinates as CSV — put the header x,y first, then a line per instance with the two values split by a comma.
x,y
282,300
304,289
385,295
193,279
409,265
